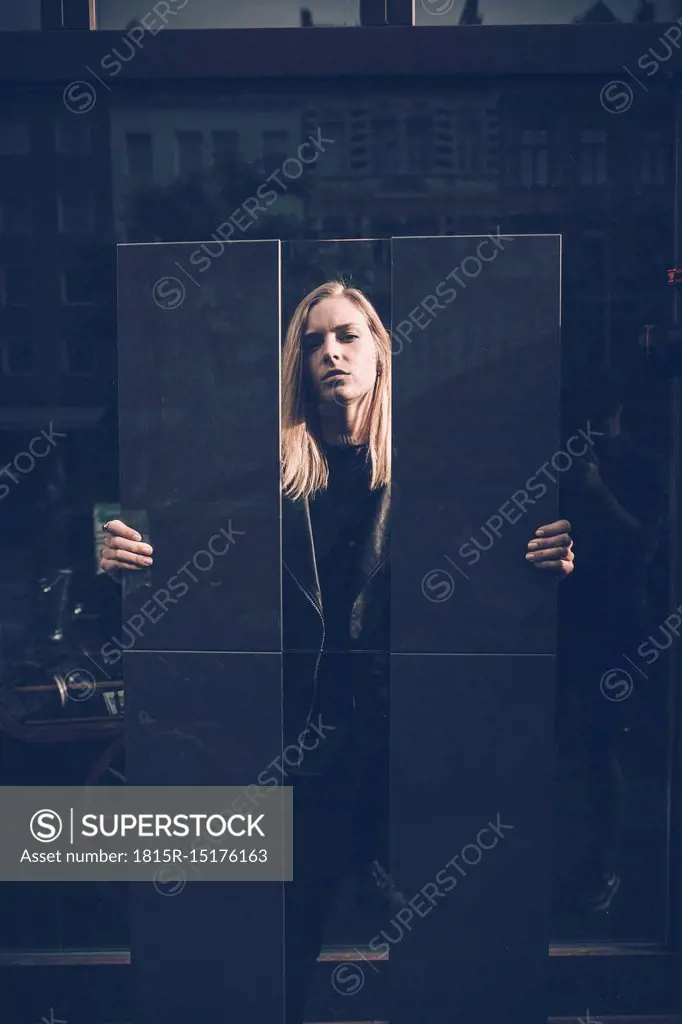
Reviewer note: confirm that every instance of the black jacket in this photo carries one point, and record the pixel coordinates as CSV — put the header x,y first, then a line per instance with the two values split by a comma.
x,y
303,626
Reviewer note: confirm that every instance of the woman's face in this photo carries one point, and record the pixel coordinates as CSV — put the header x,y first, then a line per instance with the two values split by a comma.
x,y
339,352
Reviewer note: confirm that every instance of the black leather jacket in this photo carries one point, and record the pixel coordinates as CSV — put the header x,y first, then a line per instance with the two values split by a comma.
x,y
303,614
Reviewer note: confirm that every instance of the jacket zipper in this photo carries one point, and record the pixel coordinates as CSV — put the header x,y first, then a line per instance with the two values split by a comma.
x,y
321,617
319,653
371,576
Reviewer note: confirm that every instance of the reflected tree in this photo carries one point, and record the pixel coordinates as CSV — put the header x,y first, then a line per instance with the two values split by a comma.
x,y
363,264
470,14
645,12
598,12
193,207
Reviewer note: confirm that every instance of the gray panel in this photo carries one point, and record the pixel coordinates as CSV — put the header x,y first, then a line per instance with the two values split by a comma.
x,y
471,747
475,417
475,420
199,443
204,719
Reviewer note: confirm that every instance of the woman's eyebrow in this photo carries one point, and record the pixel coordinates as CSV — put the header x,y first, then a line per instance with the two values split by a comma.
x,y
339,327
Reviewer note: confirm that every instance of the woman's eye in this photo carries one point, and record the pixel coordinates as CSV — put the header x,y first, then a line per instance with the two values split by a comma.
x,y
349,337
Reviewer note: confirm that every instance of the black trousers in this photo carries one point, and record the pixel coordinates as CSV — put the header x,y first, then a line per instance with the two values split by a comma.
x,y
340,823
592,722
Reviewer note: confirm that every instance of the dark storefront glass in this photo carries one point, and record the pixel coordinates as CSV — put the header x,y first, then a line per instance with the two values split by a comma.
x,y
179,164
20,17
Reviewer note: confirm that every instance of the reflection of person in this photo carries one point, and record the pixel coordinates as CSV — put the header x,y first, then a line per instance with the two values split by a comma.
x,y
470,15
597,12
645,12
616,500
336,472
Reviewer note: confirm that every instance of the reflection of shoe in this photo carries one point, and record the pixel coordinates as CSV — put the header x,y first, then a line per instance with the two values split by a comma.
x,y
603,897
379,888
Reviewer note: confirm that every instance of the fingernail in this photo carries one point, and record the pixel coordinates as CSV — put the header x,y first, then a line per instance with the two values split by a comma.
x,y
529,556
539,533
532,545
147,561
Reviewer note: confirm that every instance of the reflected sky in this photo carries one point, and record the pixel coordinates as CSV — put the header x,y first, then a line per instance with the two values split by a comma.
x,y
230,13
538,12
114,14
118,14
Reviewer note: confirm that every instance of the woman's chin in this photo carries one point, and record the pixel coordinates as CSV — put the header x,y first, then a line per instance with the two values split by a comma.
x,y
341,393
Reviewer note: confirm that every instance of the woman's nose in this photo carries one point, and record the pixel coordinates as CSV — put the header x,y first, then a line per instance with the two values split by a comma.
x,y
331,347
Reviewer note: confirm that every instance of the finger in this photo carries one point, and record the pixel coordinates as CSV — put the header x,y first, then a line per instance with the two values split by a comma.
x,y
124,559
115,544
561,526
548,555
118,529
563,567
561,540
111,566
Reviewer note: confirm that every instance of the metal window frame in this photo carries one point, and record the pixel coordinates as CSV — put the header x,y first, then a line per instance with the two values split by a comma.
x,y
82,14
67,14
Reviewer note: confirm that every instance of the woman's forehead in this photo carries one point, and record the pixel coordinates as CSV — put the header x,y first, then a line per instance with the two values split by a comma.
x,y
328,314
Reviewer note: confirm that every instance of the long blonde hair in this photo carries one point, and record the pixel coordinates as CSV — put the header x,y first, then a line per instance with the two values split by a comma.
x,y
304,467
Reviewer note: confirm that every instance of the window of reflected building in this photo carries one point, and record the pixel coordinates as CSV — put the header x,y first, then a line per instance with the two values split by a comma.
x,y
15,286
18,354
14,136
22,17
15,213
75,211
73,135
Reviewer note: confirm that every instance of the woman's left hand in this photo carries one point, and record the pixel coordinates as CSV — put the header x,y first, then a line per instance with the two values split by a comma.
x,y
551,549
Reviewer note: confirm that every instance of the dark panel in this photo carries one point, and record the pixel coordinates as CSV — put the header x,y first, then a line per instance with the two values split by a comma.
x,y
382,50
199,442
214,584
198,330
85,991
470,747
201,719
204,720
476,411
636,978
475,367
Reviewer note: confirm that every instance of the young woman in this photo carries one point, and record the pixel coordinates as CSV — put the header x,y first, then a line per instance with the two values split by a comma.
x,y
336,477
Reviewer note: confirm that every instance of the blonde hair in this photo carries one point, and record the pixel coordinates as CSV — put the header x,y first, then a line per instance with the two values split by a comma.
x,y
304,467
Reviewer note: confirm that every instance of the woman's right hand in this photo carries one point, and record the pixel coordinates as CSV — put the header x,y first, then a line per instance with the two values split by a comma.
x,y
123,548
